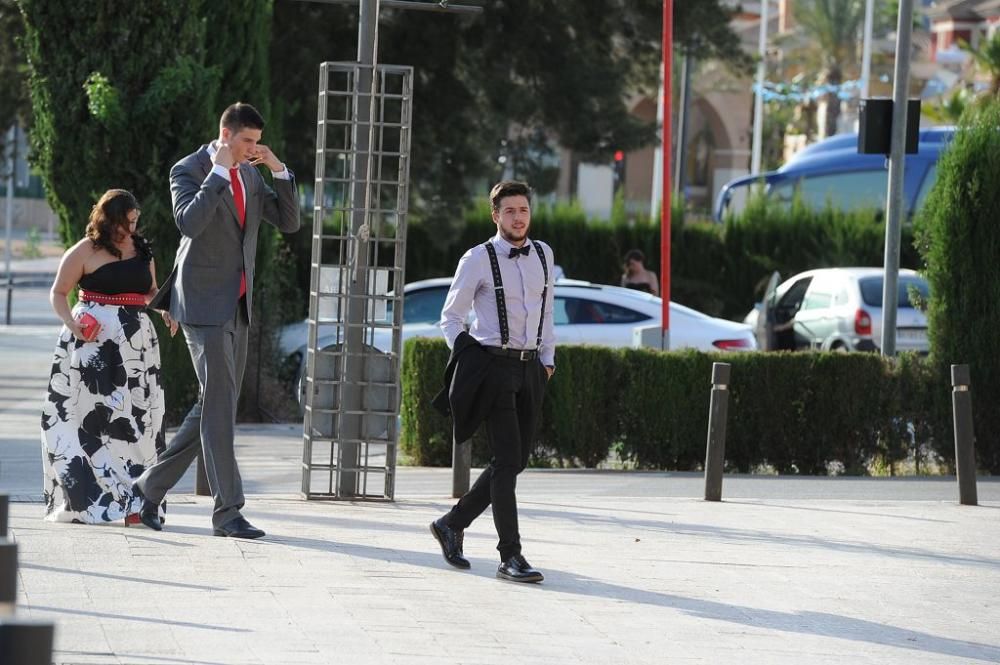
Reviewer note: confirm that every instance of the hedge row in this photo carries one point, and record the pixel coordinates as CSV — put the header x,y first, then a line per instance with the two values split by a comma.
x,y
795,413
718,269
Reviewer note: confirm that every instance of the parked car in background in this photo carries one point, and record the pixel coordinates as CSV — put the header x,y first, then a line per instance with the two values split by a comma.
x,y
839,309
584,313
832,172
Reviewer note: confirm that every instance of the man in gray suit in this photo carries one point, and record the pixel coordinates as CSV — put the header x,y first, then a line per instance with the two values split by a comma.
x,y
219,200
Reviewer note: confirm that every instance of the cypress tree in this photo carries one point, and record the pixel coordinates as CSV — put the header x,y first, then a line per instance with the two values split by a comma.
x,y
959,239
120,92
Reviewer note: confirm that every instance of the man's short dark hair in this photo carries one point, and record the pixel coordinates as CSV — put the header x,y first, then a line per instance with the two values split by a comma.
x,y
240,116
508,188
635,255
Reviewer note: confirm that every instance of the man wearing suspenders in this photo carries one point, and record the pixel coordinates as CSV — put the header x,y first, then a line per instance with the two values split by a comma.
x,y
498,370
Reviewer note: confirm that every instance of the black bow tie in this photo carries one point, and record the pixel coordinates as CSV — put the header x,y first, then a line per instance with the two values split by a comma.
x,y
523,251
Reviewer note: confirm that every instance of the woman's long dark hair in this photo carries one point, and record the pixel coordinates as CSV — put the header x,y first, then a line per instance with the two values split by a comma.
x,y
109,220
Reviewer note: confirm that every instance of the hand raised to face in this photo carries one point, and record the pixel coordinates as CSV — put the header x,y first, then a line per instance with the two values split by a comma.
x,y
263,155
223,155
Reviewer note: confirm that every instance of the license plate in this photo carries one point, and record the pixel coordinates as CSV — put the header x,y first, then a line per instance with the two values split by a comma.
x,y
912,334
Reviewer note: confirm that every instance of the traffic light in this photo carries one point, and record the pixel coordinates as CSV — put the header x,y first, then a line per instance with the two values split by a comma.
x,y
619,169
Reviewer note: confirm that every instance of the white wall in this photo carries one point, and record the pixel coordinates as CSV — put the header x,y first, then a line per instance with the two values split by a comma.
x,y
595,187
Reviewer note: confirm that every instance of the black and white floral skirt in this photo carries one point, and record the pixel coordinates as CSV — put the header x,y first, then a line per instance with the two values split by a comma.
x,y
102,421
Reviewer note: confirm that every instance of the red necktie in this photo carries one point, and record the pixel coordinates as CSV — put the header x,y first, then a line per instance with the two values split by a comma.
x,y
241,211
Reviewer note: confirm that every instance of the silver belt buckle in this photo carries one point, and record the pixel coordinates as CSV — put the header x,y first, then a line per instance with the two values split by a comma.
x,y
526,355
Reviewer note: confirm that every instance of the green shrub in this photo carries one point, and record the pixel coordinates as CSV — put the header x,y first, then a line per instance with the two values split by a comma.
x,y
790,412
576,419
719,269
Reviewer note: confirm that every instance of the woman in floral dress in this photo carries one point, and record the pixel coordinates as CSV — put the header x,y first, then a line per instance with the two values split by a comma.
x,y
102,420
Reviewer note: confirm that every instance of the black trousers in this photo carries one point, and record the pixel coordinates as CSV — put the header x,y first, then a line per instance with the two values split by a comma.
x,y
518,389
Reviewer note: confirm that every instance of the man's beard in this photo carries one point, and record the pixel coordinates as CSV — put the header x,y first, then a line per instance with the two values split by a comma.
x,y
510,236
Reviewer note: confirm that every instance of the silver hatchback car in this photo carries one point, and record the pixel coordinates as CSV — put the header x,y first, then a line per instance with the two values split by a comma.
x,y
839,309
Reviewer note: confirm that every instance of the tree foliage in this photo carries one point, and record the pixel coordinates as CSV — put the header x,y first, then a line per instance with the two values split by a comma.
x,y
960,242
120,92
987,59
495,92
834,29
14,105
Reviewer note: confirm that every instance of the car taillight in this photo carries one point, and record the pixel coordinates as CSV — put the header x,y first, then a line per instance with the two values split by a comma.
x,y
731,344
862,322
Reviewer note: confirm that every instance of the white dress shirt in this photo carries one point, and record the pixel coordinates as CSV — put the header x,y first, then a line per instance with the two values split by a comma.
x,y
523,280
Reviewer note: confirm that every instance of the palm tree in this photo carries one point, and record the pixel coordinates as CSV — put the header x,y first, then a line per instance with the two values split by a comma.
x,y
987,58
834,28
948,110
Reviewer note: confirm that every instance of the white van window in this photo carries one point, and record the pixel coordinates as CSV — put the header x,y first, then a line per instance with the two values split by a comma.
x,y
847,191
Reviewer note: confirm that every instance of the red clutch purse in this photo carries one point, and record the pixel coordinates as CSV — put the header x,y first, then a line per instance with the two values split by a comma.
x,y
88,326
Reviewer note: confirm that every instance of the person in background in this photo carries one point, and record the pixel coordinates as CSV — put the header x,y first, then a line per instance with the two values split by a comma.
x,y
102,420
636,276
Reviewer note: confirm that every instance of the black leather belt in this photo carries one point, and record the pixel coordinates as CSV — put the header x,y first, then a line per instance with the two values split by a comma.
x,y
523,355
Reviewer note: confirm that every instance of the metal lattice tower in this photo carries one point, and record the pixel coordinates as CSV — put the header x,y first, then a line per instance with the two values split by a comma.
x,y
352,388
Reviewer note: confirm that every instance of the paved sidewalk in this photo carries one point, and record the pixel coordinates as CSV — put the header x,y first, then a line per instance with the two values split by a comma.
x,y
638,569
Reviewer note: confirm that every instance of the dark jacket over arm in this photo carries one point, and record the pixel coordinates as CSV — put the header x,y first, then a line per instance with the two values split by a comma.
x,y
463,396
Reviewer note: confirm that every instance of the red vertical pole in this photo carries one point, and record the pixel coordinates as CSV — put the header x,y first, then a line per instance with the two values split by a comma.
x,y
668,49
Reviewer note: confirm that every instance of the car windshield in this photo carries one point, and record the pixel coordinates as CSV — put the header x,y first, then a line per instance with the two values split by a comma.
x,y
871,290
421,306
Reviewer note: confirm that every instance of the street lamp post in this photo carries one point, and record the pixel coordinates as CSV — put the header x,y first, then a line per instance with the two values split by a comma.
x,y
758,102
668,45
894,193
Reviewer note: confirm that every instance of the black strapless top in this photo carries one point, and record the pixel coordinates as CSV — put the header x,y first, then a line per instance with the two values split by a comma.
x,y
638,286
127,276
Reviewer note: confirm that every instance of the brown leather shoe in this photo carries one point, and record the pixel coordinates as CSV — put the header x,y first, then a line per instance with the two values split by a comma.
x,y
451,541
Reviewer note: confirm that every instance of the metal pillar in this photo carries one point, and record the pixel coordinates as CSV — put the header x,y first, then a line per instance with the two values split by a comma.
x,y
756,149
352,390
8,578
9,214
894,193
715,450
965,438
680,176
4,514
26,641
201,486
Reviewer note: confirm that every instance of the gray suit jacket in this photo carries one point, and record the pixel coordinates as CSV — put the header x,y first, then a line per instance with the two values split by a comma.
x,y
204,286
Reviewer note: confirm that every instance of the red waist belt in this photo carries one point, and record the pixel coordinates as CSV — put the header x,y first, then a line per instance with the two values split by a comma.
x,y
130,299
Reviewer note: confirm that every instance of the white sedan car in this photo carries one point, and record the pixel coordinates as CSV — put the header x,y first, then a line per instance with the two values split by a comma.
x,y
584,313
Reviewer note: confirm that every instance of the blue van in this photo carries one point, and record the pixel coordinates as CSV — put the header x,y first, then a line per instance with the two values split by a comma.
x,y
831,171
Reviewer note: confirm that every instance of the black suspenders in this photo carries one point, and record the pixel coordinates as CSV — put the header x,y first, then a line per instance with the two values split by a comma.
x,y
502,301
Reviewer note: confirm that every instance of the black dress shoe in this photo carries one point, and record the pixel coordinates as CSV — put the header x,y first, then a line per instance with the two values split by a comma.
x,y
451,543
238,527
517,569
149,515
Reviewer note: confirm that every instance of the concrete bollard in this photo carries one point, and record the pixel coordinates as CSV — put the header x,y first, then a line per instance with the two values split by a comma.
x,y
965,438
8,579
201,487
4,515
461,465
26,642
715,453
